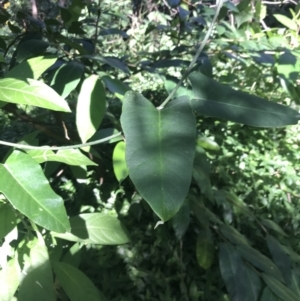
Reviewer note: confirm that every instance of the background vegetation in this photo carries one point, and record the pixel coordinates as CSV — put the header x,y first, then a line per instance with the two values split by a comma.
x,y
236,235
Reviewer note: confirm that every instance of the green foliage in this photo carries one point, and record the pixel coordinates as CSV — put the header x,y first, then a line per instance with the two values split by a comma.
x,y
197,201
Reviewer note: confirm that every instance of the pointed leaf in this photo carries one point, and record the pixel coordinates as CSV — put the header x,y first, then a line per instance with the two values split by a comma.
x,y
72,157
115,86
119,162
30,48
8,220
91,106
284,20
95,228
32,68
205,249
233,235
259,260
9,279
279,289
37,283
280,258
67,77
181,220
252,282
23,183
220,101
77,285
160,148
233,272
31,92
272,225
268,295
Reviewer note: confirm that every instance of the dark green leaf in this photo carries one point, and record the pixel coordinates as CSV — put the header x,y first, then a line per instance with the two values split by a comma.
x,y
160,147
272,225
181,220
220,101
233,235
8,220
76,284
29,49
205,249
67,77
268,295
279,289
260,261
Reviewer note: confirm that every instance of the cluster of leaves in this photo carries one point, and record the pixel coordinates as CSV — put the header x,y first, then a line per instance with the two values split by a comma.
x,y
225,206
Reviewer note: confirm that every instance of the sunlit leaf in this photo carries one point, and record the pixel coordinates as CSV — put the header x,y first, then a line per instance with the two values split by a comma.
x,y
95,228
284,20
32,68
160,148
23,183
119,162
91,106
31,92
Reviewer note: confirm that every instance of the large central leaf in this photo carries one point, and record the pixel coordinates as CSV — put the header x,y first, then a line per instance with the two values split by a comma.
x,y
160,146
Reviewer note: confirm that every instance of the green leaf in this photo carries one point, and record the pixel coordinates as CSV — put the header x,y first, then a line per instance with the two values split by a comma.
x,y
233,235
205,249
37,283
23,183
267,295
9,279
77,285
220,101
32,68
115,86
160,148
272,225
294,284
280,257
279,289
31,92
181,220
287,22
288,67
91,106
8,220
119,162
67,77
233,272
95,228
170,83
72,157
252,282
260,261
29,49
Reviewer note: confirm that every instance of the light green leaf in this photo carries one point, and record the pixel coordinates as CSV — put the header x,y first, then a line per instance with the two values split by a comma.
x,y
95,228
181,220
287,22
233,272
67,77
77,285
23,183
68,156
267,295
37,283
170,83
205,249
9,279
259,260
220,101
279,289
288,67
119,162
160,148
31,92
91,106
32,68
8,220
